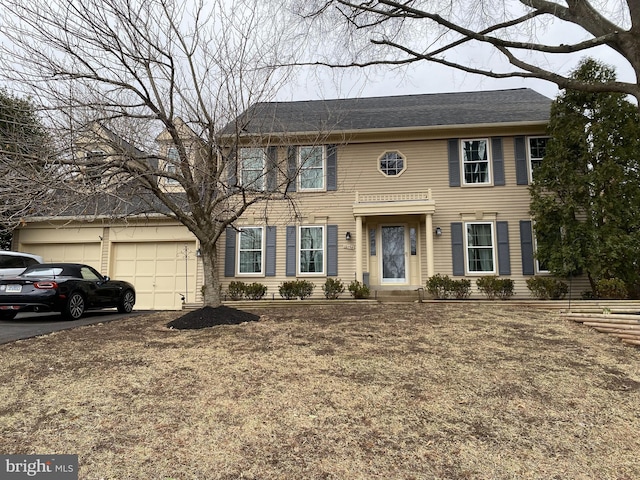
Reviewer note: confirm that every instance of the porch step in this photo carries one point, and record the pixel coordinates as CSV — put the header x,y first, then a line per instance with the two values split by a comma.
x,y
393,296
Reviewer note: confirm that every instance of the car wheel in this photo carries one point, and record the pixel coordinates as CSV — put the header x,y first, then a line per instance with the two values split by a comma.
x,y
8,315
74,307
126,302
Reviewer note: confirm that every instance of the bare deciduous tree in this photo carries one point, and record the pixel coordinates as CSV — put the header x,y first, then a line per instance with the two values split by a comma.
x,y
405,32
118,74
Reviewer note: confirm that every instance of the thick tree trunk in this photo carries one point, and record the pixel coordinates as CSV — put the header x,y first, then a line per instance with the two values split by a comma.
x,y
211,290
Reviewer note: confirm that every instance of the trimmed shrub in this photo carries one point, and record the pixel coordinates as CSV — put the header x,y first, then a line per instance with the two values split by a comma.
x,y
439,286
494,287
443,287
611,288
332,288
235,291
461,289
547,288
255,291
295,289
304,289
358,289
287,290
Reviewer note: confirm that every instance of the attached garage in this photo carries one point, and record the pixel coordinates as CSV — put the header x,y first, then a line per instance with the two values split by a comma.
x,y
158,256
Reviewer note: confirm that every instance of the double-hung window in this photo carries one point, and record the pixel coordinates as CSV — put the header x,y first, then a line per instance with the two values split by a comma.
x,y
94,166
311,253
475,162
312,166
480,251
171,165
250,250
537,151
252,167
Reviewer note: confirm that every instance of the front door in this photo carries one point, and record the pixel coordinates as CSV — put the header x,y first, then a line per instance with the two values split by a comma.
x,y
393,254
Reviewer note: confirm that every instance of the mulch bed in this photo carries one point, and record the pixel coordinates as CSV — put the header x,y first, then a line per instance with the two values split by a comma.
x,y
210,317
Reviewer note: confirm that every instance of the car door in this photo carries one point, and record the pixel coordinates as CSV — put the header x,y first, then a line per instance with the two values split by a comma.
x,y
101,293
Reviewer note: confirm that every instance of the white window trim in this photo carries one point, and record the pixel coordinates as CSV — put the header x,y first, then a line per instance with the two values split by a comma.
x,y
170,166
324,251
530,157
261,273
493,249
489,163
300,167
262,178
404,163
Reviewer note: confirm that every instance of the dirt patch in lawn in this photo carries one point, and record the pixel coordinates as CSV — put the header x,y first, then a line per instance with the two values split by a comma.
x,y
406,391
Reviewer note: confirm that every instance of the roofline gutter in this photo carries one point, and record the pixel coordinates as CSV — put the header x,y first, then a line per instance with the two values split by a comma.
x,y
428,128
71,218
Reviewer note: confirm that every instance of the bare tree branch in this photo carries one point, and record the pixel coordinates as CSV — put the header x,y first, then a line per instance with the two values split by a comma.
x,y
114,76
397,30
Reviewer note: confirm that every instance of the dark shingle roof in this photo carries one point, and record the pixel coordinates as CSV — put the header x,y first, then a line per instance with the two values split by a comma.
x,y
406,111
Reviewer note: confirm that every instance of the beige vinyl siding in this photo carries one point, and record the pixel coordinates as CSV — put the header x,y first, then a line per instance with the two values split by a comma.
x,y
426,169
322,209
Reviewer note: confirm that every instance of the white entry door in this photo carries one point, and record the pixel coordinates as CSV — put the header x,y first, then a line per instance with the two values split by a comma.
x,y
394,267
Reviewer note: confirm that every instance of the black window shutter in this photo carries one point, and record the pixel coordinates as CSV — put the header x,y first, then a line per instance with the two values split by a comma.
x,y
272,169
332,167
457,248
332,250
454,162
526,247
270,252
498,161
292,168
504,256
230,253
522,172
290,263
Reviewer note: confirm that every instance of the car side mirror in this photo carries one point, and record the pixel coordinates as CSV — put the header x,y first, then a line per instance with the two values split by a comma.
x,y
107,278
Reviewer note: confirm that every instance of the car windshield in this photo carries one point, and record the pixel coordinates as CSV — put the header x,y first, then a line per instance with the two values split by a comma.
x,y
43,272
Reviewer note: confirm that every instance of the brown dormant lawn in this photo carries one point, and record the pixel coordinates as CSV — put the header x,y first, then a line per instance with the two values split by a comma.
x,y
402,391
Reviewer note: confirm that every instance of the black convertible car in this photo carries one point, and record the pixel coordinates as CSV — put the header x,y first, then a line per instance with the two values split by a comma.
x,y
70,288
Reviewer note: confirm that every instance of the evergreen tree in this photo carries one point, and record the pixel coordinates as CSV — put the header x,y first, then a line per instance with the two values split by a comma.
x,y
24,152
586,192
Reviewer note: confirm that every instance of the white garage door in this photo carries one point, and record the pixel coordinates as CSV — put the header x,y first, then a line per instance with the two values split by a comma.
x,y
87,253
159,271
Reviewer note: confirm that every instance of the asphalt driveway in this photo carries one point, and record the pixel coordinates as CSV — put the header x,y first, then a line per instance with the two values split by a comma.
x,y
27,325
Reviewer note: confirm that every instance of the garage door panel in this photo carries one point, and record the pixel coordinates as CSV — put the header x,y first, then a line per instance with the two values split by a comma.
x,y
170,248
167,284
157,270
88,253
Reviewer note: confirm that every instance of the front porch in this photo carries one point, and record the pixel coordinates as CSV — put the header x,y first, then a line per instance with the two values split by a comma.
x,y
391,247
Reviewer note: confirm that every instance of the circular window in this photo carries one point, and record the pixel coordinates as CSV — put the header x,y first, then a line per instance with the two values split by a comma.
x,y
392,164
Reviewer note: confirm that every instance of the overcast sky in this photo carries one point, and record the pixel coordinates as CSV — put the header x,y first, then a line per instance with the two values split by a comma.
x,y
424,77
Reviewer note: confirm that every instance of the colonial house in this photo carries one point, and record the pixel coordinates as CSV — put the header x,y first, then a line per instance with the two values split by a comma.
x,y
386,190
